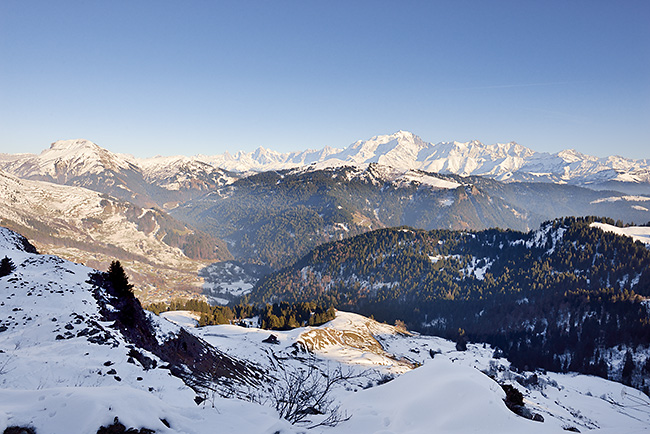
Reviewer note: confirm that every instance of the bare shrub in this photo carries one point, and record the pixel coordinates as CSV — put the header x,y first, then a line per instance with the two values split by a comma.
x,y
302,395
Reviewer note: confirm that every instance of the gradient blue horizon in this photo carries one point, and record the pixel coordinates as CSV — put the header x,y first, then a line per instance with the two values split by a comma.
x,y
204,77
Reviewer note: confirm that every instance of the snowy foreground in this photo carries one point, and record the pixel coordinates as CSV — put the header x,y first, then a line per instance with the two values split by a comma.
x,y
56,379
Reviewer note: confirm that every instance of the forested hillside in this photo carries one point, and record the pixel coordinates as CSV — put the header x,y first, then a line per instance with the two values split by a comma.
x,y
274,217
564,297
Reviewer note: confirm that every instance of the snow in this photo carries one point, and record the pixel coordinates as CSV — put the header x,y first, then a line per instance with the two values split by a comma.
x,y
539,237
69,159
625,198
637,233
446,202
82,410
431,181
406,151
436,258
439,397
449,393
236,288
174,173
87,216
402,150
479,272
68,385
183,318
226,280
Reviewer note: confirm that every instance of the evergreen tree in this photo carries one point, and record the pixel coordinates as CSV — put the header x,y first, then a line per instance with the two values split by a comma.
x,y
118,279
628,368
6,266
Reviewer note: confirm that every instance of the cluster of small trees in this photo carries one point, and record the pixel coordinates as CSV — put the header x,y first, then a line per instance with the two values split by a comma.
x,y
285,316
279,316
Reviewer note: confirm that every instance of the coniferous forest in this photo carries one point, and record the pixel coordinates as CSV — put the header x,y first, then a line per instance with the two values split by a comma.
x,y
566,297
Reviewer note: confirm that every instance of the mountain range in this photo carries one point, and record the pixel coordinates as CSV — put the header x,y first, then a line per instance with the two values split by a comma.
x,y
161,181
436,237
68,161
275,217
501,161
271,208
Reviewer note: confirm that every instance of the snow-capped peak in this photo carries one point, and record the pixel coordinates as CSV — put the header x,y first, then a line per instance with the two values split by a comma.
x,y
67,159
73,145
572,156
403,150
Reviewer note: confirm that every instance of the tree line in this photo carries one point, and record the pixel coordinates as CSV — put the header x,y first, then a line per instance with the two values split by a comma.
x,y
276,316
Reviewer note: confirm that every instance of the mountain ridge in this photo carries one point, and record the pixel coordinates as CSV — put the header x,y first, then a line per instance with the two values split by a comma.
x,y
278,215
176,184
86,226
503,161
403,150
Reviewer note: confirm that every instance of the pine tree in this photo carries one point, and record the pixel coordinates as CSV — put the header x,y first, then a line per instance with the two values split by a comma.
x,y
628,368
128,306
118,279
6,266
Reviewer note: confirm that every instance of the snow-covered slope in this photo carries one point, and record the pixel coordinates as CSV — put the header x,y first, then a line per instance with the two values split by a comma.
x,y
82,163
380,174
434,387
68,159
163,181
67,367
263,159
184,174
85,226
637,233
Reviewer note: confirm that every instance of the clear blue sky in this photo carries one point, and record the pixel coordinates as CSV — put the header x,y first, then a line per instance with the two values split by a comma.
x,y
189,77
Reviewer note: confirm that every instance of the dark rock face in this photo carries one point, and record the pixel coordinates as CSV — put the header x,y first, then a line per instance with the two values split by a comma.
x,y
272,339
118,427
188,357
19,430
